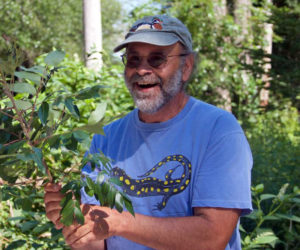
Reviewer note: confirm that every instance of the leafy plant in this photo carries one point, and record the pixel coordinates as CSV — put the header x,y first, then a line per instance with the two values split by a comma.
x,y
33,118
269,211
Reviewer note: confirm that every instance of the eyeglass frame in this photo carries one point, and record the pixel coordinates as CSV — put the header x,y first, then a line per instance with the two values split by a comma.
x,y
156,67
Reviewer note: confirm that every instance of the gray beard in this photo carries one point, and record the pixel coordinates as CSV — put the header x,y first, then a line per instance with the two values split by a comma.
x,y
149,103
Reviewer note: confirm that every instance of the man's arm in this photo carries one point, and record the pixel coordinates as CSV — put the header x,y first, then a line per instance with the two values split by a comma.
x,y
209,228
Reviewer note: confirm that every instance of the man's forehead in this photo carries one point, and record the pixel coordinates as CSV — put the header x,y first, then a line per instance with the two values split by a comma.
x,y
150,48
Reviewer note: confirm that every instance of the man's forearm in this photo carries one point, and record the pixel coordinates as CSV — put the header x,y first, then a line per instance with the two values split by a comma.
x,y
194,232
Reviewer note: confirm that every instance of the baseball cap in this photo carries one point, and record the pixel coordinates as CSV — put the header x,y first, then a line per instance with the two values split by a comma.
x,y
161,30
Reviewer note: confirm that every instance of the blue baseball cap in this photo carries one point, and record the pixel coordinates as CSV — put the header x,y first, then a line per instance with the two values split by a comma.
x,y
160,30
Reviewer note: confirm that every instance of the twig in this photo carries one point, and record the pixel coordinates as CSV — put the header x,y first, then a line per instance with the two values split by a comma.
x,y
1,111
12,142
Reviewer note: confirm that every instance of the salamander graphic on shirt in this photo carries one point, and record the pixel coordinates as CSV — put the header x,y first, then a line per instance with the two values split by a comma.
x,y
145,185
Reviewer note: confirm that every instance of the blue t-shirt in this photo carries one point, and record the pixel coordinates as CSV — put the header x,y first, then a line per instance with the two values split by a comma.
x,y
199,158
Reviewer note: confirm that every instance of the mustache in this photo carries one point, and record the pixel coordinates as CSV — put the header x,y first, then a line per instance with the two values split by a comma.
x,y
143,80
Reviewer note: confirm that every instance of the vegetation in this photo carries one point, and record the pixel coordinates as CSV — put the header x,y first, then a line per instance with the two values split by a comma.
x,y
223,65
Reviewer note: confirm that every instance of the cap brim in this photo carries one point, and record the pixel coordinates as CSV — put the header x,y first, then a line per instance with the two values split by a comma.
x,y
155,38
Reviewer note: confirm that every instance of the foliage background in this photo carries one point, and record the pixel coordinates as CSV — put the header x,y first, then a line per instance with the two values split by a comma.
x,y
273,131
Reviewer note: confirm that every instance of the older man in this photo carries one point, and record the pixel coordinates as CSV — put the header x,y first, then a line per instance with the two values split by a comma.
x,y
184,163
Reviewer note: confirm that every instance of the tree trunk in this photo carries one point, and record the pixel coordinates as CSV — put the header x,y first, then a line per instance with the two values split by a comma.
x,y
220,8
242,13
268,27
92,34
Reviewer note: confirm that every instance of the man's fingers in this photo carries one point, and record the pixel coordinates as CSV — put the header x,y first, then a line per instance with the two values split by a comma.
x,y
89,237
53,215
52,187
58,225
70,229
49,197
53,205
76,234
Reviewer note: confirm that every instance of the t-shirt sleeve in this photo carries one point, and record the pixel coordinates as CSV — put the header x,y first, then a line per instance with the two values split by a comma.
x,y
224,176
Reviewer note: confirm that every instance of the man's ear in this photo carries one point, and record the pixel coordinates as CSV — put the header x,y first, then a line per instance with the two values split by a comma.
x,y
188,67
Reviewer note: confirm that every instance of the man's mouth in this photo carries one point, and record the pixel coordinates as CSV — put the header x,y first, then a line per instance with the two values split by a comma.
x,y
146,86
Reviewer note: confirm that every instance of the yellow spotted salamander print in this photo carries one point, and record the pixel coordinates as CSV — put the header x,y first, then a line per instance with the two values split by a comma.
x,y
151,186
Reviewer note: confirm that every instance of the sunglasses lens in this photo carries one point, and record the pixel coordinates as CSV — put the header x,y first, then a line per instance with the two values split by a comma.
x,y
156,60
133,61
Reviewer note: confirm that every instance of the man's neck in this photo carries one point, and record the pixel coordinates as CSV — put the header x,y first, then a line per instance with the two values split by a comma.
x,y
168,111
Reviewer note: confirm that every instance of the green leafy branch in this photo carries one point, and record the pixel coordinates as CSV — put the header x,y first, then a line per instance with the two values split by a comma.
x,y
35,119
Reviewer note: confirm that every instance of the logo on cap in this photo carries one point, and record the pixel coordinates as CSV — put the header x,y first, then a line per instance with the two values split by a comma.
x,y
155,24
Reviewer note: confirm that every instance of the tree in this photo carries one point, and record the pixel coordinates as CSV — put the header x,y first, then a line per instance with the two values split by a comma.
x,y
39,26
92,33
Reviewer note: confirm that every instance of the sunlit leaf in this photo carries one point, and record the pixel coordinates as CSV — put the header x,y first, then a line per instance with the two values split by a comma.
x,y
267,196
111,197
55,57
23,88
96,128
29,76
119,202
20,104
35,69
97,114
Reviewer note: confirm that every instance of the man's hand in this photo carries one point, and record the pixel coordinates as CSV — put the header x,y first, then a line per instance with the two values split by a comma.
x,y
52,199
95,228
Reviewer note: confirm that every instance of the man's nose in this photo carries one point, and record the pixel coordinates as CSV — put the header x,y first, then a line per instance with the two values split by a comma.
x,y
144,68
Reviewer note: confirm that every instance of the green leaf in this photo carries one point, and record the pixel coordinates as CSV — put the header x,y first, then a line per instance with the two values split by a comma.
x,y
23,88
267,196
90,183
55,57
78,214
66,199
29,76
15,244
100,178
98,194
67,213
54,141
89,192
289,217
128,205
90,92
80,136
20,104
96,128
37,156
43,112
116,181
98,114
41,228
111,197
35,69
28,225
71,107
119,202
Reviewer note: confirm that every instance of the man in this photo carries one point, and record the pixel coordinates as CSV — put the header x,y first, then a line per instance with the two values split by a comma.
x,y
185,164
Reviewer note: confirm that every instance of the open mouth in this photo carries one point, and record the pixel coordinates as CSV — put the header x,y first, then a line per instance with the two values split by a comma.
x,y
147,86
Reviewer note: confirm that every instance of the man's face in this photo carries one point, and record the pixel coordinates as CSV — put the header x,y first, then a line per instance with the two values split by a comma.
x,y
153,87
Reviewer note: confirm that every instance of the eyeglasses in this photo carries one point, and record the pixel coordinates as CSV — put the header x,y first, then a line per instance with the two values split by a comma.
x,y
154,60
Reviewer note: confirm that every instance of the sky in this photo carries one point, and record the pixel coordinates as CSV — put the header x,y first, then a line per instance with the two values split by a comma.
x,y
130,4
